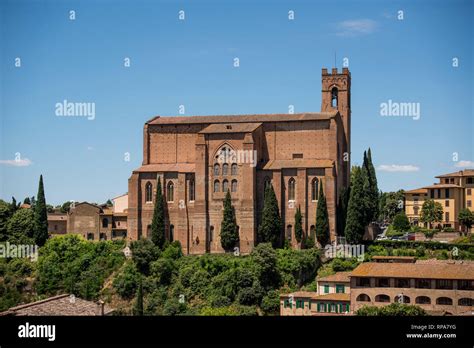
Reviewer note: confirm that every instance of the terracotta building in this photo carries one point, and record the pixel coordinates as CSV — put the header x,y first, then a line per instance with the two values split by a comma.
x,y
199,158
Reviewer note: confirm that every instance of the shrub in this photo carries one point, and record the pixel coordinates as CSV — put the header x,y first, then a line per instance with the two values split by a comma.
x,y
401,223
271,303
125,283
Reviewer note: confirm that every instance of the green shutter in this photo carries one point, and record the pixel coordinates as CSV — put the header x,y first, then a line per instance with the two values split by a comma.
x,y
326,289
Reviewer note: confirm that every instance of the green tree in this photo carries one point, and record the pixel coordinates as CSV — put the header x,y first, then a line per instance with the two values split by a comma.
x,y
390,204
270,228
401,223
65,207
431,212
355,224
393,309
265,259
158,221
322,218
298,225
21,227
14,205
229,232
342,203
373,190
41,216
138,309
5,214
466,218
27,201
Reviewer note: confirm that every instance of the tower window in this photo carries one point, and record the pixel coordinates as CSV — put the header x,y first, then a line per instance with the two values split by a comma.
x,y
170,192
234,186
216,186
334,97
225,169
225,186
234,169
148,192
192,190
291,189
314,189
216,169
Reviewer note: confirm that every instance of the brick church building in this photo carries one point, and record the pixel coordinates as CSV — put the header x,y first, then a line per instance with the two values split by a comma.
x,y
199,158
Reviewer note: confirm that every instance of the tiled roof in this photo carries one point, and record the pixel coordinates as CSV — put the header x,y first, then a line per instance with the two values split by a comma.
x,y
334,297
309,116
298,163
384,257
125,194
57,217
338,277
418,190
465,172
305,294
415,270
435,186
166,167
230,128
59,305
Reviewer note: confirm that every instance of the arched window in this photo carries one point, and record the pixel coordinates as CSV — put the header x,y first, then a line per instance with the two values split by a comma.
x,y
192,190
216,169
314,189
225,186
291,189
444,301
105,222
423,300
382,298
402,299
288,232
216,185
233,186
267,182
334,97
170,192
466,301
148,192
171,233
363,298
225,169
233,169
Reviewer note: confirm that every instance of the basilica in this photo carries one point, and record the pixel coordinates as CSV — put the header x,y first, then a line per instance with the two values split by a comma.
x,y
199,158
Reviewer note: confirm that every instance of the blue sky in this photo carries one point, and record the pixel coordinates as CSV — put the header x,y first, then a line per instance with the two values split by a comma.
x,y
190,63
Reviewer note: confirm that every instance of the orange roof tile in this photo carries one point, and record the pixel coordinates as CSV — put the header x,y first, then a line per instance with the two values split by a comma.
x,y
298,163
465,172
334,297
230,128
167,167
463,271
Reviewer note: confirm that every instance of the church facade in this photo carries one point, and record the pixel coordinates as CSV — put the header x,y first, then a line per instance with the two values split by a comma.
x,y
199,158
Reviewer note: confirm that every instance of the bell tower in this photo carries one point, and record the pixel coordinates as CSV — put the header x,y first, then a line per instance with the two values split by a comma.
x,y
336,95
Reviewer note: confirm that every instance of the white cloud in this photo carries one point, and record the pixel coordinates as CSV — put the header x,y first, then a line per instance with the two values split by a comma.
x,y
464,164
356,27
90,148
25,162
398,168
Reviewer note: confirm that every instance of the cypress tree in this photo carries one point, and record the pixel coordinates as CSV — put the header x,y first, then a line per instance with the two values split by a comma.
x,y
41,216
270,229
158,221
342,203
373,190
229,233
322,218
355,223
13,205
298,225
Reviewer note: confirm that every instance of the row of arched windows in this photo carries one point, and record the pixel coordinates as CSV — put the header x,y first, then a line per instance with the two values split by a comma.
x,y
169,191
225,185
225,169
418,300
292,188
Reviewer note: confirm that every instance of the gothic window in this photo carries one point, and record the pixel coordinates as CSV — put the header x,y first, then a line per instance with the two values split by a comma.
x,y
216,169
216,185
233,187
148,192
171,233
314,189
225,169
192,190
288,232
211,233
170,192
234,169
225,186
334,97
291,189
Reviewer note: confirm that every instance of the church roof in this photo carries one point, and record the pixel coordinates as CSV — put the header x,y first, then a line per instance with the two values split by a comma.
x,y
166,167
298,163
230,128
465,172
307,116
